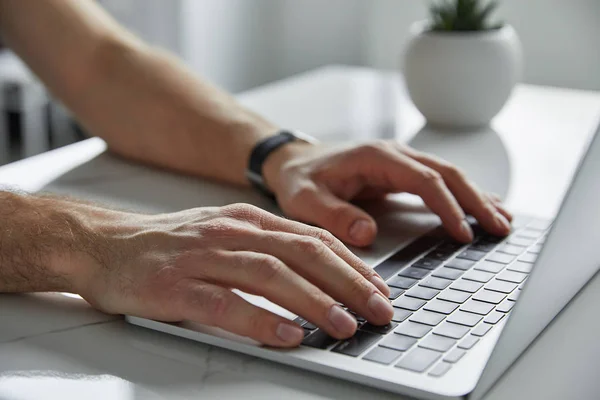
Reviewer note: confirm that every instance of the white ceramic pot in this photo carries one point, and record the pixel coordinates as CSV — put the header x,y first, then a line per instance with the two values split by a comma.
x,y
461,79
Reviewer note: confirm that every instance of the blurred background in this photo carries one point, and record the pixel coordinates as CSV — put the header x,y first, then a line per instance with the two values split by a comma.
x,y
241,44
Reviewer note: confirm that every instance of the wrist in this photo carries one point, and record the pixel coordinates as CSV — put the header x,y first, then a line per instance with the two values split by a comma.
x,y
276,161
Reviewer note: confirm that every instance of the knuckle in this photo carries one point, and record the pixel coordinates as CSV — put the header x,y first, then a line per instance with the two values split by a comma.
x,y
430,177
454,172
326,237
217,305
375,147
242,211
358,287
269,268
310,245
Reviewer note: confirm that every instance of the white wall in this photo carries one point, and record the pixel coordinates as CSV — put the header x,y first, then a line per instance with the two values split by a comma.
x,y
560,38
243,43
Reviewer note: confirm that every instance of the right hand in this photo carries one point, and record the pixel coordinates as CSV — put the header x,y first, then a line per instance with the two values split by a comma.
x,y
181,266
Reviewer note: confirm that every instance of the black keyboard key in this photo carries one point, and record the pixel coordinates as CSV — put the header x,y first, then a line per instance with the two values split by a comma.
x,y
450,247
440,306
492,238
520,267
454,296
405,256
427,318
512,276
435,283
414,272
528,258
418,360
439,254
357,344
447,273
460,263
478,276
412,329
300,321
501,258
472,255
454,356
395,293
398,342
477,307
489,297
420,292
501,286
359,319
382,355
468,342
466,286
427,263
400,314
440,369
307,332
505,306
409,303
379,329
437,343
489,266
453,331
319,339
310,326
481,329
464,318
494,317
484,246
401,282
511,249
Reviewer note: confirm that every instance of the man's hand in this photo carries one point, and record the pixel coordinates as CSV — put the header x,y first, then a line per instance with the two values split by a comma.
x,y
316,185
181,266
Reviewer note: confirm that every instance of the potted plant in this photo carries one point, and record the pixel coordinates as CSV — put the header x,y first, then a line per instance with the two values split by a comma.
x,y
460,67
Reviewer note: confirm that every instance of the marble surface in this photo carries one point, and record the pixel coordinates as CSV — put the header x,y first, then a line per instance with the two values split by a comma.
x,y
56,346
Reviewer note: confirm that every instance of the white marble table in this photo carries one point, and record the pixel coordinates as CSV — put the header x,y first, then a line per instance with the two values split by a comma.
x,y
56,346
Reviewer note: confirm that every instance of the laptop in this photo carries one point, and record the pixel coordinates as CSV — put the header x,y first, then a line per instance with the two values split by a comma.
x,y
463,312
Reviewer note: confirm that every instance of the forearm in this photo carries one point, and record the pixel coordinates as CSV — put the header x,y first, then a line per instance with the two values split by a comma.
x,y
45,244
147,105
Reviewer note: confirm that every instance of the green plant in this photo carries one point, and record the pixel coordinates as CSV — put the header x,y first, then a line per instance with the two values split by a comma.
x,y
462,15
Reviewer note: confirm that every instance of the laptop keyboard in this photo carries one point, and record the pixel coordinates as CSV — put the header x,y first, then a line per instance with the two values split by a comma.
x,y
446,297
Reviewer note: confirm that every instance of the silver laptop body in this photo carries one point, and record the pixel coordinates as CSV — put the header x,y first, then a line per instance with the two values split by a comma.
x,y
554,262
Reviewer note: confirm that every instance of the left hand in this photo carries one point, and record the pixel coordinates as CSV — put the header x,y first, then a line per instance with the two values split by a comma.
x,y
316,185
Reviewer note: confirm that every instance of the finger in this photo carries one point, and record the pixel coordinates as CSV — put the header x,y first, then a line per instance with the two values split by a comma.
x,y
468,195
273,223
501,209
267,276
315,262
347,222
405,174
212,305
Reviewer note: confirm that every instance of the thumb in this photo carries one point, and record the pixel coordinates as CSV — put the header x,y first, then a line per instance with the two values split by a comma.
x,y
346,221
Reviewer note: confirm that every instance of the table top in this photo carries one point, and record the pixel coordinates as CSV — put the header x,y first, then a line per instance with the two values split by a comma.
x,y
55,344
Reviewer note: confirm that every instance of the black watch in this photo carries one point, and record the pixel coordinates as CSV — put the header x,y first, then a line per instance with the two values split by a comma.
x,y
263,149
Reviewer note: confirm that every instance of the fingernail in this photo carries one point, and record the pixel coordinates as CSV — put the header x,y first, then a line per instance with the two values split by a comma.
x,y
342,321
289,333
380,306
380,284
466,228
360,230
502,222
